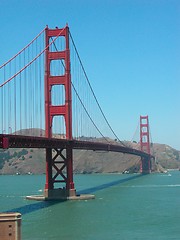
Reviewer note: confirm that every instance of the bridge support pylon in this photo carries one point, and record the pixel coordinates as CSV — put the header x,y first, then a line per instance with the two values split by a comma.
x,y
145,167
59,162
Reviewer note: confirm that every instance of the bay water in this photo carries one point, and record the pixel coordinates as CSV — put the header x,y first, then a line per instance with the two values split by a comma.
x,y
126,206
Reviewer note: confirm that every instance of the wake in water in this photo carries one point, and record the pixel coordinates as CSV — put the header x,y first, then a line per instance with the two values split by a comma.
x,y
166,175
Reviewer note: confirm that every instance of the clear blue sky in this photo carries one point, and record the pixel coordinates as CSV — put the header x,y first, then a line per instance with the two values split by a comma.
x,y
130,50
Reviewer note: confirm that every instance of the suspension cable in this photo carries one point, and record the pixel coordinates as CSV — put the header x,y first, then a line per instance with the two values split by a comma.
x,y
93,91
135,132
88,113
22,49
82,101
27,65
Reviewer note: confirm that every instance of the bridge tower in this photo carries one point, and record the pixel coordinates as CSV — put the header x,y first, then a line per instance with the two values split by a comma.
x,y
59,162
145,144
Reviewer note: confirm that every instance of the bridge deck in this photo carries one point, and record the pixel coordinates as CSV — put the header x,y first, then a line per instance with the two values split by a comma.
x,y
18,141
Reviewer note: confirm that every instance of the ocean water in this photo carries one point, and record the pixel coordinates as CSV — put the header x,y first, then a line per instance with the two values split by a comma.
x,y
126,207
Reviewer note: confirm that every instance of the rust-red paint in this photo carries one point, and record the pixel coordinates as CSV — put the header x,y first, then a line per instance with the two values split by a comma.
x,y
61,110
145,144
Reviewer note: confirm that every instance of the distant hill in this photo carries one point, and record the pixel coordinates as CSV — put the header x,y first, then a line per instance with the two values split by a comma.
x,y
36,132
24,161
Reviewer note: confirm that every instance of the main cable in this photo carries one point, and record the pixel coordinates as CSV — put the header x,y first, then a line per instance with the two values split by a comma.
x,y
27,65
82,101
93,91
22,49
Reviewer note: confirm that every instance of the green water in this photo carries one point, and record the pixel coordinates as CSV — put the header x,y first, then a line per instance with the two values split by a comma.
x,y
126,207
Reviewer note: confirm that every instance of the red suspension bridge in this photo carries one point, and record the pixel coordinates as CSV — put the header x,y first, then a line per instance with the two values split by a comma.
x,y
45,86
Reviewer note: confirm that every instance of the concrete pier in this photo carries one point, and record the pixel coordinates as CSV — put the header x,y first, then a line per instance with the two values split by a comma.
x,y
77,197
60,195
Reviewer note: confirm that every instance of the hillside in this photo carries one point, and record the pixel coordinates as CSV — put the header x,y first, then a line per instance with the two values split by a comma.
x,y
24,161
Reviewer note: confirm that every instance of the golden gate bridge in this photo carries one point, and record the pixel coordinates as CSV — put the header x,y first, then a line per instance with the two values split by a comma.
x,y
47,102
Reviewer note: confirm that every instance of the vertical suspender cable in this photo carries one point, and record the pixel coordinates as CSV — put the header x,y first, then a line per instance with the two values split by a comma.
x,y
93,91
